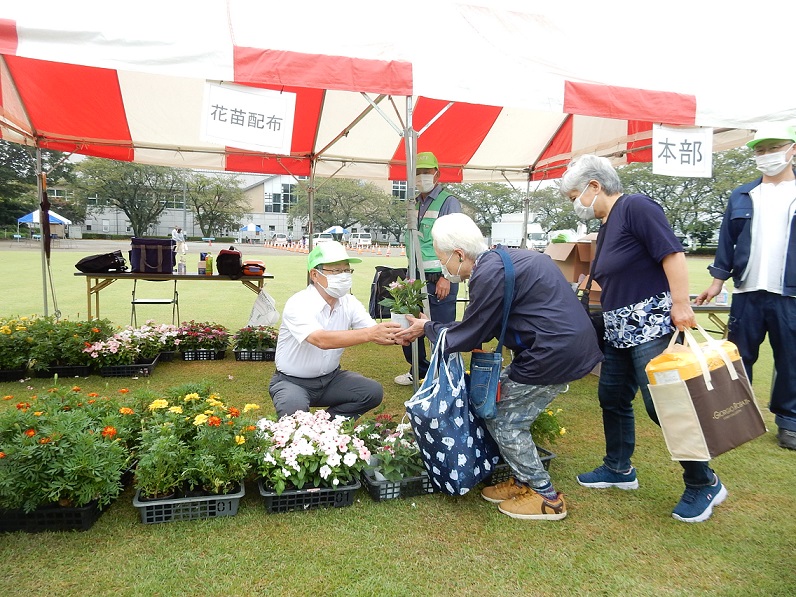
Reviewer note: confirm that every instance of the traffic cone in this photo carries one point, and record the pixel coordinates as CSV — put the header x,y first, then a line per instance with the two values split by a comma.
x,y
359,249
403,251
378,251
387,254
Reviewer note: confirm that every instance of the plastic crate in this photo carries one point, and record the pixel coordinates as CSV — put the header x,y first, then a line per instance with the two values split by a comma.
x,y
255,355
167,356
135,370
188,508
203,354
388,490
65,371
308,499
503,471
50,519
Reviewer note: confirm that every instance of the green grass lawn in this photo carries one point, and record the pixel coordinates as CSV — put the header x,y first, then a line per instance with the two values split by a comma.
x,y
612,543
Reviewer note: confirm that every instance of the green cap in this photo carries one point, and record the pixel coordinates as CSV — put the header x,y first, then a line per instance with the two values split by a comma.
x,y
426,159
773,131
328,252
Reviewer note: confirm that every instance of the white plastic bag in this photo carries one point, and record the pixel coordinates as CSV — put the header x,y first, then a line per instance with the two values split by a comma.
x,y
264,311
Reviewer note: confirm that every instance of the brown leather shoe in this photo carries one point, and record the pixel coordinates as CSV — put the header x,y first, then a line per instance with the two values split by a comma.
x,y
530,505
502,491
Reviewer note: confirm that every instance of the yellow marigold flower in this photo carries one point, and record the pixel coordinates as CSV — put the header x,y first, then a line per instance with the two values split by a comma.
x,y
199,420
21,328
176,409
38,413
213,396
213,402
8,397
209,411
562,431
160,403
240,440
189,397
249,407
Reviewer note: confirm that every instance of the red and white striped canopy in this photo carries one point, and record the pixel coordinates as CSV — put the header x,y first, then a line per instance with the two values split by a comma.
x,y
495,88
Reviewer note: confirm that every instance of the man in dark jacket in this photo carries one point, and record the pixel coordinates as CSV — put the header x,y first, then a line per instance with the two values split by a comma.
x,y
552,340
757,249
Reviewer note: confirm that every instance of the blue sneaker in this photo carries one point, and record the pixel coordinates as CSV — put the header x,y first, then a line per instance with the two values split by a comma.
x,y
697,503
602,477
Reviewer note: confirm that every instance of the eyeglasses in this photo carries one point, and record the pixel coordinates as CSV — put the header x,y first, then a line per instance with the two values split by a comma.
x,y
770,149
339,271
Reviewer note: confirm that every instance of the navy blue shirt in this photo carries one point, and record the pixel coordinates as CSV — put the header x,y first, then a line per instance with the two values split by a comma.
x,y
552,337
634,240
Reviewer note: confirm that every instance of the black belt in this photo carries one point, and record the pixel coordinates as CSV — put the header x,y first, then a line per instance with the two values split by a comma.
x,y
433,277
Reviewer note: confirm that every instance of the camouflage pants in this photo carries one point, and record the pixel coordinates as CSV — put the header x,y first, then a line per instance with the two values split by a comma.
x,y
518,408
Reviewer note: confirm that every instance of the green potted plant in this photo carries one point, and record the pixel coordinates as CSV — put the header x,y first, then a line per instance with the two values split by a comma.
x,y
255,343
129,352
62,457
58,345
202,341
15,347
304,451
406,298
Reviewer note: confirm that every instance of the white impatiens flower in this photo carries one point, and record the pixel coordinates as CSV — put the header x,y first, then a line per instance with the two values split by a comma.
x,y
350,459
325,472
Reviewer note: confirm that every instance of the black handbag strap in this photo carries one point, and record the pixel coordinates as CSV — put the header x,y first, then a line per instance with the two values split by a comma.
x,y
584,297
508,291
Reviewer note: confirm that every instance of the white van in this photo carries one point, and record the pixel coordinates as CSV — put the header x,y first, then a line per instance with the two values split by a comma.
x,y
279,239
321,237
359,239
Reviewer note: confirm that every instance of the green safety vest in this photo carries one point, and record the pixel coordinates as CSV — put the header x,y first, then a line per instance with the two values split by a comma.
x,y
431,262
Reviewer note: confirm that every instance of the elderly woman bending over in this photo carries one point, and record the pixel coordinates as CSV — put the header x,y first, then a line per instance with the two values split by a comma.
x,y
552,340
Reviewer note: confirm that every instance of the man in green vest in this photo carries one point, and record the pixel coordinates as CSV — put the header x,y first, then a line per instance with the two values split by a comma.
x,y
432,202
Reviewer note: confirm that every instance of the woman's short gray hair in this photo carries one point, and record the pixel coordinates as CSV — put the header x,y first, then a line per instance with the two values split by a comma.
x,y
590,167
458,231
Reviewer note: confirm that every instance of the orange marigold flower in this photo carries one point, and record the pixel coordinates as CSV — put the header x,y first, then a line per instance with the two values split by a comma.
x,y
126,410
230,423
93,395
91,401
233,412
52,390
109,432
30,432
75,388
2,454
214,421
9,397
250,427
45,440
95,330
23,405
124,391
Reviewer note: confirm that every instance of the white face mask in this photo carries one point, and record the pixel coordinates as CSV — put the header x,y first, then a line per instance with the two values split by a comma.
x,y
452,278
772,164
338,285
425,183
584,213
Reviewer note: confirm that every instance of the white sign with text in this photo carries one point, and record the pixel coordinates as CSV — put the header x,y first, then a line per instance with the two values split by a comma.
x,y
678,151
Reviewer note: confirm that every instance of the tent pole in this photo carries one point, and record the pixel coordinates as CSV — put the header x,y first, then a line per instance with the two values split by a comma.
x,y
410,139
311,208
40,190
526,207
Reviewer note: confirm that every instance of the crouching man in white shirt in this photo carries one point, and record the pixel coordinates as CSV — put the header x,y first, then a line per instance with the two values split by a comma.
x,y
317,324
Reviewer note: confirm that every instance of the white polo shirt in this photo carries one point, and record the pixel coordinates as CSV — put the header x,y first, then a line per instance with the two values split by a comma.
x,y
306,312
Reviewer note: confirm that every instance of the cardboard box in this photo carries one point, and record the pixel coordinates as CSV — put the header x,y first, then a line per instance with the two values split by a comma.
x,y
594,292
573,259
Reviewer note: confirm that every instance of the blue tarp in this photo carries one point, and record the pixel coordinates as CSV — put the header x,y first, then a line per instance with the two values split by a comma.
x,y
33,217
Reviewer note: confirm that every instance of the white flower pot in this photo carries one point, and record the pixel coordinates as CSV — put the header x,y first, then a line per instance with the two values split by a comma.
x,y
399,318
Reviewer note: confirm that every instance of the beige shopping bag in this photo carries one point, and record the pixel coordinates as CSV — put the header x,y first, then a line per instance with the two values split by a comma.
x,y
703,398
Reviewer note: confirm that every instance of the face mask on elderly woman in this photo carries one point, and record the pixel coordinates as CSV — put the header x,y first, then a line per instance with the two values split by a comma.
x,y
584,212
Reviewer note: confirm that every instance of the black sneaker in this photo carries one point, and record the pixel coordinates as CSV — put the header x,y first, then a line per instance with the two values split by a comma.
x,y
786,439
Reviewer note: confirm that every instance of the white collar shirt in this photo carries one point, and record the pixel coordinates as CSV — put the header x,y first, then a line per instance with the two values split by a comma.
x,y
774,206
306,312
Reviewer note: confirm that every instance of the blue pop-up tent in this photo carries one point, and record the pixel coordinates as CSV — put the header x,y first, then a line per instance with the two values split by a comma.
x,y
33,218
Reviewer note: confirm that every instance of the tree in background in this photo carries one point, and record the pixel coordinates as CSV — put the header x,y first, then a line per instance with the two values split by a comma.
x,y
138,190
694,206
340,202
18,180
552,211
486,202
216,200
